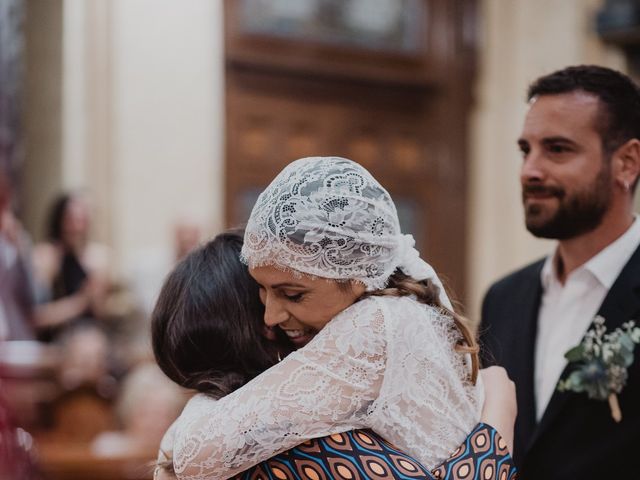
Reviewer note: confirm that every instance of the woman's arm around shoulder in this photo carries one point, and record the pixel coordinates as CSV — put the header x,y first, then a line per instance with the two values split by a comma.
x,y
485,452
324,388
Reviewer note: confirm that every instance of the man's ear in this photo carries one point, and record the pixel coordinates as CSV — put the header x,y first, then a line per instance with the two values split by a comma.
x,y
626,163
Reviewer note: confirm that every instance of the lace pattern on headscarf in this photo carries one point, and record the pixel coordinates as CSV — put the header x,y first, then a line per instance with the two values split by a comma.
x,y
328,217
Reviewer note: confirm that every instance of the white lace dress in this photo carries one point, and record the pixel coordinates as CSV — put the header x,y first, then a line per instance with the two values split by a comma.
x,y
384,363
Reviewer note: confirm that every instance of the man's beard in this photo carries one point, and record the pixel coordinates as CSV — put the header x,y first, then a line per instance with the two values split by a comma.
x,y
576,214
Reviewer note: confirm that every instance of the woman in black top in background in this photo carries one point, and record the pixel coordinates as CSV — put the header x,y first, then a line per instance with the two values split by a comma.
x,y
72,272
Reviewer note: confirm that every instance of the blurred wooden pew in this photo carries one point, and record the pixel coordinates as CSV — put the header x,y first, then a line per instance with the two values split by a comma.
x,y
65,450
62,423
64,461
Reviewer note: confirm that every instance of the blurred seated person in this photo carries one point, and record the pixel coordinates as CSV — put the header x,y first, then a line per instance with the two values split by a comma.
x,y
85,360
149,267
146,406
72,285
71,272
16,286
187,236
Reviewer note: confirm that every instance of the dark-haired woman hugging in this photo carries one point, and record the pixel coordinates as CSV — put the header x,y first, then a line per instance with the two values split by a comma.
x,y
209,336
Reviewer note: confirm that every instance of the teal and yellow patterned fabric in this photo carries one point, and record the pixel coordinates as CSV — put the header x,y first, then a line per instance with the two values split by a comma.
x,y
362,455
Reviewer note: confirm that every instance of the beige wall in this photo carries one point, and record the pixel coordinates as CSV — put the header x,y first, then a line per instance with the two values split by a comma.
x,y
136,118
42,174
167,120
522,39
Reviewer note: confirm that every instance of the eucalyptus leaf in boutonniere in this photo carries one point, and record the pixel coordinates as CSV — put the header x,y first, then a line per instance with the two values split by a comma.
x,y
600,363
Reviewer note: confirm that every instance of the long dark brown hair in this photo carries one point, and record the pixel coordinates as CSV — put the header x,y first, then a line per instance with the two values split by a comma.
x,y
401,285
207,326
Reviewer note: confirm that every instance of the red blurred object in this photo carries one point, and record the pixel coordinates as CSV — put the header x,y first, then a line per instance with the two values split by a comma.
x,y
16,449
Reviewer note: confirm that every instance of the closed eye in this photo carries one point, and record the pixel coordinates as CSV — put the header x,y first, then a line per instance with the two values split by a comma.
x,y
293,297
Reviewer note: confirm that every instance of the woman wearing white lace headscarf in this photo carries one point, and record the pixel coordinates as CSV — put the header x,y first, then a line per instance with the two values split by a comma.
x,y
381,345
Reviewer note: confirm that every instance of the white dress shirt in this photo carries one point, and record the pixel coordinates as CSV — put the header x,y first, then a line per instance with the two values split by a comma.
x,y
566,311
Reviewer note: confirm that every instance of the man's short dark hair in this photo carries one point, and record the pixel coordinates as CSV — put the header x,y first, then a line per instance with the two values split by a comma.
x,y
619,98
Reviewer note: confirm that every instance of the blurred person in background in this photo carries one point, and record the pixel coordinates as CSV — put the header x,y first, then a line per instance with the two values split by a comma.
x,y
147,404
72,272
146,269
16,281
16,302
72,285
149,267
187,235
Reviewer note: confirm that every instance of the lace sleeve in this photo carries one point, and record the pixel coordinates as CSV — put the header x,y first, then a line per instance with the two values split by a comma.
x,y
324,388
165,451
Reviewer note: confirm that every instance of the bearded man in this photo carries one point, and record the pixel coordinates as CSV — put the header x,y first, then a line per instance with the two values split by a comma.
x,y
581,159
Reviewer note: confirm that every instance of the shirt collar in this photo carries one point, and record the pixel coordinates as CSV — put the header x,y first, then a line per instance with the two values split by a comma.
x,y
606,265
547,275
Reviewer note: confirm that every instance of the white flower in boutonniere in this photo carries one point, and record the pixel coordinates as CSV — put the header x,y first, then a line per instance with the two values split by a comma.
x,y
601,361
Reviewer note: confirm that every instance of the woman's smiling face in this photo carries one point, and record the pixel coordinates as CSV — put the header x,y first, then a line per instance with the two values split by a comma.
x,y
300,305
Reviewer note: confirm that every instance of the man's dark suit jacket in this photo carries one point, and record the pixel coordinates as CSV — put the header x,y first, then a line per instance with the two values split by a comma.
x,y
576,437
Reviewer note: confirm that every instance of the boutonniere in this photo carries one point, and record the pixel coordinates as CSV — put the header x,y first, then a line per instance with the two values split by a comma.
x,y
599,363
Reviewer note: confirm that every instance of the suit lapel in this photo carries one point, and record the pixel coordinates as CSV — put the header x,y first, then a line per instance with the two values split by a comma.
x,y
623,301
620,305
522,357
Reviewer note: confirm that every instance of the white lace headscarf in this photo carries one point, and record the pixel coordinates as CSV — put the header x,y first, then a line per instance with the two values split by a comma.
x,y
328,217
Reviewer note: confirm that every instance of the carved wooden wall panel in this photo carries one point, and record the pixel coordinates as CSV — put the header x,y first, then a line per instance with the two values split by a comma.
x,y
402,116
